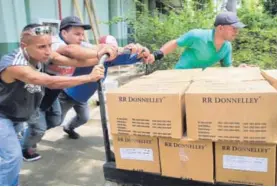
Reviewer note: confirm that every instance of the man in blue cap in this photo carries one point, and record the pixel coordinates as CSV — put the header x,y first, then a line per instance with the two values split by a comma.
x,y
205,47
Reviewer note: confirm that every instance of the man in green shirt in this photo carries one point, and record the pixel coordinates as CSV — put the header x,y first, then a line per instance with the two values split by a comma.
x,y
205,47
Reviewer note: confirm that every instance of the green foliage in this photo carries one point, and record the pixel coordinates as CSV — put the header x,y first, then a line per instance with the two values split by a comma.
x,y
270,6
256,44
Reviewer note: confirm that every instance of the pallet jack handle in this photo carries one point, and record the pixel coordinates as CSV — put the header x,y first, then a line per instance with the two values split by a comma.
x,y
108,153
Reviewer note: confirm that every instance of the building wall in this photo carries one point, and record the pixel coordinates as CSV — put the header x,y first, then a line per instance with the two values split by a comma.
x,y
15,14
121,8
12,20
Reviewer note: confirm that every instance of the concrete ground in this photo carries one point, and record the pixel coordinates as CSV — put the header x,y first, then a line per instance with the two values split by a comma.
x,y
66,161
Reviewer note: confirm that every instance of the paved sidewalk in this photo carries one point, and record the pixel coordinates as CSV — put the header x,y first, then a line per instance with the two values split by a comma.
x,y
68,162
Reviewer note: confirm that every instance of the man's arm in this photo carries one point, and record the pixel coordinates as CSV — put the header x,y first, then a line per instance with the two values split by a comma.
x,y
83,53
77,52
169,47
184,41
77,56
28,75
165,49
59,59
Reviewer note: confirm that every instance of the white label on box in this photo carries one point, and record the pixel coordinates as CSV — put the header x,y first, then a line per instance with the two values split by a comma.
x,y
245,163
137,154
183,156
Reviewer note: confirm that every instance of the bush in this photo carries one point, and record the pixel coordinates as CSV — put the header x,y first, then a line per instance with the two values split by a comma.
x,y
270,6
256,44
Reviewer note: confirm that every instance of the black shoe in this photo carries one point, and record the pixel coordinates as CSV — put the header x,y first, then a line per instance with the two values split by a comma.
x,y
29,155
71,133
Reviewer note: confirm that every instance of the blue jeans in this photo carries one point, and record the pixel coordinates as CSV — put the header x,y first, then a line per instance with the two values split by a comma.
x,y
10,154
81,109
53,116
39,122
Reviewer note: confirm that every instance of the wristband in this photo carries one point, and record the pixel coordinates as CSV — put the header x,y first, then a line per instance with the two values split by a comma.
x,y
158,55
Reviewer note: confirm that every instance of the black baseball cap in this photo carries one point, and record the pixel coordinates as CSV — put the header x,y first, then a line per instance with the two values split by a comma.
x,y
73,21
228,18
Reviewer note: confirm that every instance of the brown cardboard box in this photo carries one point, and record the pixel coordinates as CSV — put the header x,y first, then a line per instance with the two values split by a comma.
x,y
271,77
140,153
187,159
148,108
249,164
230,74
238,111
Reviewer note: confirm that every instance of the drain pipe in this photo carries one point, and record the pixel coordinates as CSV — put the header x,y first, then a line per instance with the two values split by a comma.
x,y
60,9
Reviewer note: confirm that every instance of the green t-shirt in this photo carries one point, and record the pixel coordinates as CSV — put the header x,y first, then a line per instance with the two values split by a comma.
x,y
200,51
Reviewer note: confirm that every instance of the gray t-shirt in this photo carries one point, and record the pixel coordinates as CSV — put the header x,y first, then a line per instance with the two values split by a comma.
x,y
18,100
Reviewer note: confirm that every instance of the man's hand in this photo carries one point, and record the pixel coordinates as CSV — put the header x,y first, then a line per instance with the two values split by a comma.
x,y
97,73
142,52
135,48
111,50
243,65
150,59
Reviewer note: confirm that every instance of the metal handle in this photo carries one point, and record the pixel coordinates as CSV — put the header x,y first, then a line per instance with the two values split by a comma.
x,y
109,156
103,59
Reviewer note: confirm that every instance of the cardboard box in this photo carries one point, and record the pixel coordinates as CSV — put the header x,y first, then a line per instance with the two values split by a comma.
x,y
230,74
148,108
139,153
174,75
187,159
237,111
270,76
249,164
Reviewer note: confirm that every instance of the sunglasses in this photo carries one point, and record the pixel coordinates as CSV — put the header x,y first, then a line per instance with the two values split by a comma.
x,y
41,30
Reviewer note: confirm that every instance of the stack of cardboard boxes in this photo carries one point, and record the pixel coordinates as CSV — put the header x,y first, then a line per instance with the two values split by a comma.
x,y
240,116
213,125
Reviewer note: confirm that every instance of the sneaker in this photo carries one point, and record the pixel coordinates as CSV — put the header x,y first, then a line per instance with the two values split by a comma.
x,y
71,133
29,155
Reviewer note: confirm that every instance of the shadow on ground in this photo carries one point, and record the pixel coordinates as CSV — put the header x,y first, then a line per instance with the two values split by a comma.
x,y
68,162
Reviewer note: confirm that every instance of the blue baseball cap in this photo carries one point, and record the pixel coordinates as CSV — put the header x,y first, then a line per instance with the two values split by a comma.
x,y
73,21
228,18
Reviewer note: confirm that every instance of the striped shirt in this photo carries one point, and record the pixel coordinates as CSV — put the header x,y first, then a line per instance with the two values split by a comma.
x,y
18,100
